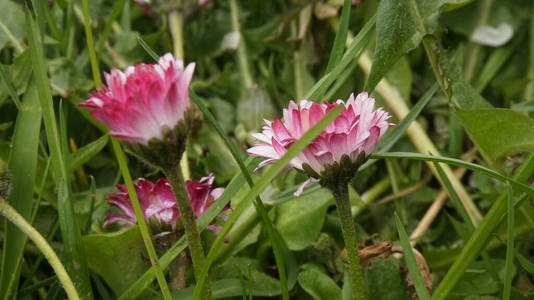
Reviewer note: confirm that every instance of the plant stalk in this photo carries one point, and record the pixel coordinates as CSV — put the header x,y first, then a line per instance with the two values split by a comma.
x,y
12,215
175,177
341,195
143,227
176,26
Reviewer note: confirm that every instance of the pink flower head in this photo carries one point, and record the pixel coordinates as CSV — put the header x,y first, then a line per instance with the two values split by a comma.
x,y
138,103
158,202
355,131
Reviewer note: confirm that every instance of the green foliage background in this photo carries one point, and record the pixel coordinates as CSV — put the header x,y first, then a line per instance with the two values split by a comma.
x,y
453,95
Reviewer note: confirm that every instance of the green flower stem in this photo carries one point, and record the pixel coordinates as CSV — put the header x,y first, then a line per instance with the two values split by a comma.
x,y
174,175
341,195
12,215
143,227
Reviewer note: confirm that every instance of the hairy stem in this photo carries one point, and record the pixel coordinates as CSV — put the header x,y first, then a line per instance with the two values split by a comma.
x,y
12,215
143,227
341,195
175,177
176,25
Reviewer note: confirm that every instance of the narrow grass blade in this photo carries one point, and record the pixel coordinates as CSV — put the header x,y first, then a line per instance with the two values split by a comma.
x,y
73,250
411,262
260,185
481,235
460,163
147,48
279,246
494,64
143,227
90,43
115,12
10,88
22,166
341,37
230,191
454,197
509,266
355,49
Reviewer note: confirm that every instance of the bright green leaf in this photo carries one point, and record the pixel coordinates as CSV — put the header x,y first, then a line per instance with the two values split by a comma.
x,y
300,220
318,284
498,133
117,257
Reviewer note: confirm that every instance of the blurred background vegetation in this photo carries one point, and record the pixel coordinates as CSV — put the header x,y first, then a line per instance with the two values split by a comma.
x,y
252,58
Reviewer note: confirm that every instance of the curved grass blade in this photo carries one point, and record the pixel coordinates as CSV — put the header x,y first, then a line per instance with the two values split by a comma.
x,y
73,250
261,184
509,266
281,251
22,167
460,163
411,262
229,192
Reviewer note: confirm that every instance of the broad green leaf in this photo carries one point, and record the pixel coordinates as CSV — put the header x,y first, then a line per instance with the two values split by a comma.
x,y
385,280
395,35
11,25
118,257
300,220
477,280
318,284
22,166
498,133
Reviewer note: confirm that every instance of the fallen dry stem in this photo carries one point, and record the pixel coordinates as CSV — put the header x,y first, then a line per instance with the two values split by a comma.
x,y
418,136
438,203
